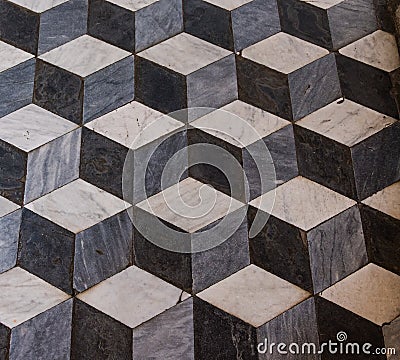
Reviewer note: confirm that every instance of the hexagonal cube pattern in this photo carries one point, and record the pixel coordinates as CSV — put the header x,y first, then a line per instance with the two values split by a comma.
x,y
144,23
287,76
39,26
232,25
84,79
185,71
199,179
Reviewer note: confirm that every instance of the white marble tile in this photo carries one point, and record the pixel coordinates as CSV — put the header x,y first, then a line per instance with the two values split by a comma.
x,y
254,295
31,127
133,5
77,206
184,53
133,296
38,6
284,53
134,125
7,207
240,124
303,203
378,49
347,122
371,292
23,296
228,4
190,205
84,55
11,56
323,4
386,200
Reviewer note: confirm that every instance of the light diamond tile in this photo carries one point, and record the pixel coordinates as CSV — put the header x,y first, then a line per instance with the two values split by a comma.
x,y
386,200
284,53
323,4
372,292
240,124
31,127
23,296
134,125
84,55
11,56
133,296
254,295
228,4
38,6
77,206
6,206
378,49
303,203
190,205
184,53
346,122
133,5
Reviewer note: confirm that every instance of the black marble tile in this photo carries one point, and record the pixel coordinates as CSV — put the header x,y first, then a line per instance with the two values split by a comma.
x,y
219,335
382,235
158,87
46,250
13,165
281,249
19,26
96,336
102,162
366,85
112,23
333,319
263,87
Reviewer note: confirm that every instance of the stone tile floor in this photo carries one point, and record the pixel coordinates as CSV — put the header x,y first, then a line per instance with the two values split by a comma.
x,y
107,251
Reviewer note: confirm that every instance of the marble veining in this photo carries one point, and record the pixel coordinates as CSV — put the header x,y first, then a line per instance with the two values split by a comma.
x,y
133,5
184,53
381,287
39,6
11,56
378,50
31,127
84,56
284,53
323,4
24,296
77,206
386,200
240,124
133,296
254,295
346,122
228,4
7,207
134,125
190,205
303,203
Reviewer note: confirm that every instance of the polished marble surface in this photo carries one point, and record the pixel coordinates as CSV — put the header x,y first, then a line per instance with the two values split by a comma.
x,y
229,4
84,55
25,296
10,56
284,53
39,6
184,53
77,206
323,4
378,50
6,206
133,5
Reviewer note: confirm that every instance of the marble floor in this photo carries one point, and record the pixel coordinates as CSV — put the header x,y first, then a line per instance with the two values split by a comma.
x,y
199,179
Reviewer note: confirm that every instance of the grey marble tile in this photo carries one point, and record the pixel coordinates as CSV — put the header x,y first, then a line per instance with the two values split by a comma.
x,y
158,22
391,334
9,230
55,25
371,282
102,251
170,335
53,165
254,295
46,336
25,296
337,249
